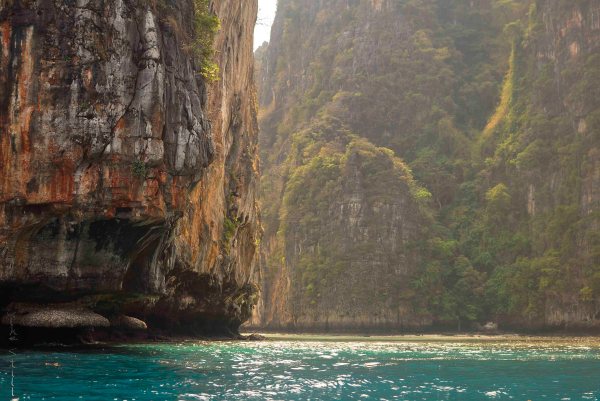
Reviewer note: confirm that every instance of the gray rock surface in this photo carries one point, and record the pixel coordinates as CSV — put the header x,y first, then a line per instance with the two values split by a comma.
x,y
118,160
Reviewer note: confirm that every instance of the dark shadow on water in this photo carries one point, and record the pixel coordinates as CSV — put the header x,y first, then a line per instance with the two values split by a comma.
x,y
134,349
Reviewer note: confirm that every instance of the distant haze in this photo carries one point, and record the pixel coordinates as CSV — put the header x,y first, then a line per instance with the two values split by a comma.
x,y
266,15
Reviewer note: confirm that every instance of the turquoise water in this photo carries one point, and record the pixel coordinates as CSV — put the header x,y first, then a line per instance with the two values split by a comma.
x,y
300,370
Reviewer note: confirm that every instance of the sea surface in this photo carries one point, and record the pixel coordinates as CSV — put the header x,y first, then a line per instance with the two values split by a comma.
x,y
304,368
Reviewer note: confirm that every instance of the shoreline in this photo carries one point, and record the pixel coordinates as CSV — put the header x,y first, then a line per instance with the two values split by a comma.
x,y
432,338
475,340
259,336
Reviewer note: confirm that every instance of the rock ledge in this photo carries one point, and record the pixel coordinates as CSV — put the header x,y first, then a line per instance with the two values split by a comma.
x,y
53,317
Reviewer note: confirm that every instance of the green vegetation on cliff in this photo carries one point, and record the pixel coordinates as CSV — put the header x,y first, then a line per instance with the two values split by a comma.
x,y
206,25
494,105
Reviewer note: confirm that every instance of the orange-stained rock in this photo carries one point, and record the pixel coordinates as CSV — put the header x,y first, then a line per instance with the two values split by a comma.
x,y
119,164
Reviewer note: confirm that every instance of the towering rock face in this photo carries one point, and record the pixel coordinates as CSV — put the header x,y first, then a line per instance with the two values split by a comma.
x,y
542,148
122,168
343,214
345,249
493,105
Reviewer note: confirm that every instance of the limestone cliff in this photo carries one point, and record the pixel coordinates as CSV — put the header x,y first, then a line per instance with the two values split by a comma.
x,y
541,150
351,218
127,180
493,107
343,214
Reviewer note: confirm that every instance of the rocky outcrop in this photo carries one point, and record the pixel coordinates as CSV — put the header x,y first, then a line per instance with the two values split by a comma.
x,y
348,232
128,323
53,317
121,166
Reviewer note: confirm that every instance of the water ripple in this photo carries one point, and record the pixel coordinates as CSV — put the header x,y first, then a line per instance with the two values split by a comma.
x,y
301,370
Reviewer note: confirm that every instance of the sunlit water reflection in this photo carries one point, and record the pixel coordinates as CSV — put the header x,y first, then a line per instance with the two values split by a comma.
x,y
302,370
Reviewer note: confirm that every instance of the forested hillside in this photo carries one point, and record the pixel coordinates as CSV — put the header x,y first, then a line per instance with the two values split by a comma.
x,y
431,163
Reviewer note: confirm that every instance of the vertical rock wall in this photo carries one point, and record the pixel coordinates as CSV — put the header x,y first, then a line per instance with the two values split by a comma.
x,y
120,165
545,148
493,105
342,214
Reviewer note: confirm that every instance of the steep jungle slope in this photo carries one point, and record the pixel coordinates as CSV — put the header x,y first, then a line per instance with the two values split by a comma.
x,y
400,76
536,233
457,90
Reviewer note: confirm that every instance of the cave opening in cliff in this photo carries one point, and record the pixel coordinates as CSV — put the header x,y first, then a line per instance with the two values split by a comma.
x,y
139,276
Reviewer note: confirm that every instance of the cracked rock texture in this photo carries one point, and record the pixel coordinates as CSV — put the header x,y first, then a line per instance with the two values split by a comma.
x,y
125,179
